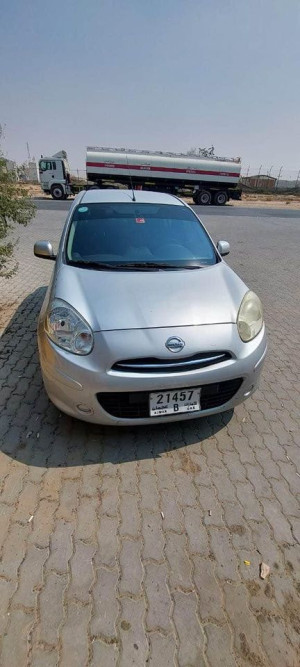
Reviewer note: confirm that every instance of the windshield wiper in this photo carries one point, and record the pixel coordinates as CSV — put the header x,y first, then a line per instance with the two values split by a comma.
x,y
86,264
129,266
157,265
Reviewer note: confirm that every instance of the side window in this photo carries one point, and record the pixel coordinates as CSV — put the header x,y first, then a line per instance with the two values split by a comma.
x,y
45,166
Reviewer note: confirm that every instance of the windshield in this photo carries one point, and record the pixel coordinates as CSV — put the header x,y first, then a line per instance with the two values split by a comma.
x,y
145,236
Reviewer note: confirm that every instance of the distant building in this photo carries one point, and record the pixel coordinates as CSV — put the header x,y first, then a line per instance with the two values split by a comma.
x,y
261,181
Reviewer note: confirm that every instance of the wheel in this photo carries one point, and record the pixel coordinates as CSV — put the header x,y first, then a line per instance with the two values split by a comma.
x,y
220,198
203,198
57,192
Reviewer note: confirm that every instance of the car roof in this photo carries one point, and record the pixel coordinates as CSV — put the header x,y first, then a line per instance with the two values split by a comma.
x,y
97,196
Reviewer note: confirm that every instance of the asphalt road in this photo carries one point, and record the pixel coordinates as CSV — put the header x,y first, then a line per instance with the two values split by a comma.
x,y
143,546
228,210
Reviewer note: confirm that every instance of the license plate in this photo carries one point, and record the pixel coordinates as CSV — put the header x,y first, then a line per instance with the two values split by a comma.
x,y
175,401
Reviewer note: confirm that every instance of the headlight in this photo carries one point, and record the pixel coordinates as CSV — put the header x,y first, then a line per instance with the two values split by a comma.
x,y
66,328
250,317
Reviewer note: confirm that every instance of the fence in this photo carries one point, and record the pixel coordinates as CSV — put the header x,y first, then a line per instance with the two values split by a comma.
x,y
262,178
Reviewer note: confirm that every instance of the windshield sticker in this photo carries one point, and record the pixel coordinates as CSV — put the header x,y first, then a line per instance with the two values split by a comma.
x,y
140,221
83,209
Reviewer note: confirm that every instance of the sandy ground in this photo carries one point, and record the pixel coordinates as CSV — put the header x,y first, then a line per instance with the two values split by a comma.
x,y
248,200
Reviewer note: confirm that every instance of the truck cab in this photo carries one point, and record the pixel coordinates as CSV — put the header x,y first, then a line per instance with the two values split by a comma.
x,y
54,175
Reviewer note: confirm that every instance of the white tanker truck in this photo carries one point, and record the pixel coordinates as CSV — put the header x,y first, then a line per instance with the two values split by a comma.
x,y
210,180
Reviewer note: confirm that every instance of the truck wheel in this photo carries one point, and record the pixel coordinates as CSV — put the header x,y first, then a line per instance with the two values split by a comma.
x,y
220,198
203,198
57,192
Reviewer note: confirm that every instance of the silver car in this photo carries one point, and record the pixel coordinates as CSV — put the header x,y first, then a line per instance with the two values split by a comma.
x,y
143,321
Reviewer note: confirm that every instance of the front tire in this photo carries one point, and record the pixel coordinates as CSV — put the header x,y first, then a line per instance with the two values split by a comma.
x,y
57,192
203,197
220,198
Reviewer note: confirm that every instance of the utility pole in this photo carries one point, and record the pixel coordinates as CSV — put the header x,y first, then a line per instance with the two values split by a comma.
x,y
278,177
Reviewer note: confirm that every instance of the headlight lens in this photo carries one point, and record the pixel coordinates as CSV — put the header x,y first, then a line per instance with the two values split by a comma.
x,y
66,328
250,317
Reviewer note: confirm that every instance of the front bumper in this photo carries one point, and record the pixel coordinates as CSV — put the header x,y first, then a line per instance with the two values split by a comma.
x,y
75,383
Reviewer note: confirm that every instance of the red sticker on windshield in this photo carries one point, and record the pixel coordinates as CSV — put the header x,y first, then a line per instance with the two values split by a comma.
x,y
140,221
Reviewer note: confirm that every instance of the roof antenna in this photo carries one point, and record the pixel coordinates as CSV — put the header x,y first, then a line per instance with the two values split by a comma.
x,y
133,195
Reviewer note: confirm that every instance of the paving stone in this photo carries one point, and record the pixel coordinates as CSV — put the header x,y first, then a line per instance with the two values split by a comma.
x,y
152,536
249,502
74,636
191,638
42,523
163,650
51,608
27,502
159,600
6,513
187,490
31,577
218,649
7,589
15,646
246,638
130,516
13,551
172,513
61,547
13,485
104,654
82,572
108,541
134,644
109,496
131,567
149,494
106,607
280,525
68,500
179,562
87,520
210,597
197,533
225,556
43,658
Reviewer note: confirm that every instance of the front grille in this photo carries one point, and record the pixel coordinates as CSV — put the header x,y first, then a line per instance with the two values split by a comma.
x,y
181,365
135,405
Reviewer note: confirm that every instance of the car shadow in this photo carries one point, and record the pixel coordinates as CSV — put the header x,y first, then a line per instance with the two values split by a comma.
x,y
34,432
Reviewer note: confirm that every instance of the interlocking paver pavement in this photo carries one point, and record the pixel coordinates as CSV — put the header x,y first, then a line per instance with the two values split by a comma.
x,y
127,546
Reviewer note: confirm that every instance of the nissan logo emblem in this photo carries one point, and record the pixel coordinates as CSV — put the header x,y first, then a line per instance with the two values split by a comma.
x,y
175,344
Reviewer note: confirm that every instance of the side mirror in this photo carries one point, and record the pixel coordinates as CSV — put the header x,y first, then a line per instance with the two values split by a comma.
x,y
223,247
44,250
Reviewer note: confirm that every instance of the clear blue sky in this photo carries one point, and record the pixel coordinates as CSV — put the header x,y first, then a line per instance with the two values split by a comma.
x,y
158,74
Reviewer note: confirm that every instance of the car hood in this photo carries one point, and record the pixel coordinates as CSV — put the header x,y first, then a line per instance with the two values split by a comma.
x,y
111,300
